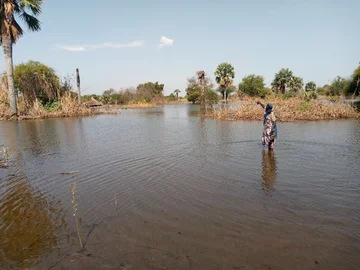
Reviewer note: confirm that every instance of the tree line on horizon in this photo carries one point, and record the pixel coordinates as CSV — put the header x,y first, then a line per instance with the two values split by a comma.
x,y
36,81
284,83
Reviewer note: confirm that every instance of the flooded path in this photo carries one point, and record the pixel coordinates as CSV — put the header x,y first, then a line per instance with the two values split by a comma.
x,y
162,189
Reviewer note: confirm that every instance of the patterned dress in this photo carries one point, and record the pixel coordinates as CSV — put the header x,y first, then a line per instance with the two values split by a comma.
x,y
269,131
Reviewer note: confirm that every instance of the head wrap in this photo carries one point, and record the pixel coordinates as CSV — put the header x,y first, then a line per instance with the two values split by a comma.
x,y
269,108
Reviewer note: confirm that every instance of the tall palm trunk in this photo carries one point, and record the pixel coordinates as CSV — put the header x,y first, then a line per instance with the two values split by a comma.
x,y
202,97
78,85
7,45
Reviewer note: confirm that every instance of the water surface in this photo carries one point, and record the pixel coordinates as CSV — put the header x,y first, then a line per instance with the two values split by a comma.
x,y
163,189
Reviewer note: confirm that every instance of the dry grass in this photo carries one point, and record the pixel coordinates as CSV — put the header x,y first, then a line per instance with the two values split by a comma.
x,y
293,109
142,105
67,107
4,105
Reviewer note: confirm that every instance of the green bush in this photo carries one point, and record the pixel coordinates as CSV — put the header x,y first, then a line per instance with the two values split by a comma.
x,y
339,86
304,106
289,94
353,87
51,106
211,97
311,95
171,97
147,99
253,86
35,80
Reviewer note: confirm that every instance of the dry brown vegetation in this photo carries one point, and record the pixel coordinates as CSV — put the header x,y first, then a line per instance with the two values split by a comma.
x,y
293,109
67,107
141,105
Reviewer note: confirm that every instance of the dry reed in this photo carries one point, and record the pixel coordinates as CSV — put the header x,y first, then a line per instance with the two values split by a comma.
x,y
75,206
293,109
4,105
142,105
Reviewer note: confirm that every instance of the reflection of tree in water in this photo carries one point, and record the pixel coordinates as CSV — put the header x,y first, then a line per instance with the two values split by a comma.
x,y
269,171
27,224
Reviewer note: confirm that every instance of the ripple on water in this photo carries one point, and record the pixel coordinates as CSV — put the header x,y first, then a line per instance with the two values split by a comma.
x,y
154,186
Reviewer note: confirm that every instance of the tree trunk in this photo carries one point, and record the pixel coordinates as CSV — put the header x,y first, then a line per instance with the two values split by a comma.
x,y
78,85
58,93
226,96
7,46
357,86
282,88
202,96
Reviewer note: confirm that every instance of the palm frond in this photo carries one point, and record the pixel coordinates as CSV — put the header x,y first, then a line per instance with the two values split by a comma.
x,y
33,5
32,22
15,31
8,8
12,30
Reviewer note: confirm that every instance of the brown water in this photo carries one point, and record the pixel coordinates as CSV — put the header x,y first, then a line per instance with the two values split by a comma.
x,y
163,189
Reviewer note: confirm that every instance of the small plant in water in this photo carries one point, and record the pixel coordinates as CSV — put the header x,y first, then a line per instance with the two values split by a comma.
x,y
73,201
4,158
5,154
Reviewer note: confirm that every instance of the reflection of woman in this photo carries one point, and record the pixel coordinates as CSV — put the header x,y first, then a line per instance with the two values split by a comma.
x,y
269,134
268,171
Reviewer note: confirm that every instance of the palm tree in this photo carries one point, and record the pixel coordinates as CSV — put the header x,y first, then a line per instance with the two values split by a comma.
x,y
11,32
297,84
224,76
177,91
310,86
283,80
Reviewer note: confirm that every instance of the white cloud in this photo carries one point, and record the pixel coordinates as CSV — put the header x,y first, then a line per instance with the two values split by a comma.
x,y
86,47
164,41
72,48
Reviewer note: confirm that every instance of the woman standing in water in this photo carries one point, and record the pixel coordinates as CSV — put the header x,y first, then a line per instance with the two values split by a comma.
x,y
269,133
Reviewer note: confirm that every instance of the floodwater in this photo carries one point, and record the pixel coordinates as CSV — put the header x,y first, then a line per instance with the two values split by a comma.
x,y
163,189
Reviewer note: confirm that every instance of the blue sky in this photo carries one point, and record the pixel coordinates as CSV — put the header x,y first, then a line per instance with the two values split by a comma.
x,y
115,43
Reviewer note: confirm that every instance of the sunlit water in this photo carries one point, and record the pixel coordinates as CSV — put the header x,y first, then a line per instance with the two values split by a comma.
x,y
163,189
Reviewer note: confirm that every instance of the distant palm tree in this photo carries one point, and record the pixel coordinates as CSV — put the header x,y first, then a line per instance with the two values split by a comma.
x,y
224,76
10,32
283,80
177,91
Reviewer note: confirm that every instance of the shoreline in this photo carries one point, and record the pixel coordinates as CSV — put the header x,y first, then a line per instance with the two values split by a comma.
x,y
286,111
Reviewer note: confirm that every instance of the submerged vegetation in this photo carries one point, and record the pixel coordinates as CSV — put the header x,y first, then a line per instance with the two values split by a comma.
x,y
292,109
66,106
